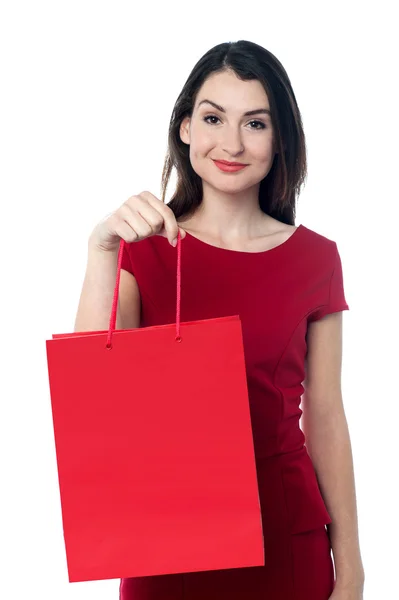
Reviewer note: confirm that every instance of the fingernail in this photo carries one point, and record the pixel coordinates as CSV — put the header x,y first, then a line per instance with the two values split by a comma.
x,y
174,242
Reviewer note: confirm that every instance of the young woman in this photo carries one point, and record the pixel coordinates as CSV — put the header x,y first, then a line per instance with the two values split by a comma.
x,y
243,254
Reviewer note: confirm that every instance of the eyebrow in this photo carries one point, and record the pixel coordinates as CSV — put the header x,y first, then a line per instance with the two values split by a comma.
x,y
257,111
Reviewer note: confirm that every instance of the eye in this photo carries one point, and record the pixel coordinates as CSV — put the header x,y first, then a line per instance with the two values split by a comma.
x,y
259,124
210,117
262,125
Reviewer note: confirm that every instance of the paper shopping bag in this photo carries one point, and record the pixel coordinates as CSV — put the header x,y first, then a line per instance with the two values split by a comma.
x,y
154,448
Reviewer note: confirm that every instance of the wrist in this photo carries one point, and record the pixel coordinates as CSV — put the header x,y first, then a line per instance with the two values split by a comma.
x,y
98,252
351,580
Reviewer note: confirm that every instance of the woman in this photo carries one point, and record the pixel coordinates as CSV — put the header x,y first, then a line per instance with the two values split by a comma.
x,y
244,255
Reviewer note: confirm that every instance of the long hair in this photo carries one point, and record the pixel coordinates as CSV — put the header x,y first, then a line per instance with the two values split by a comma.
x,y
281,186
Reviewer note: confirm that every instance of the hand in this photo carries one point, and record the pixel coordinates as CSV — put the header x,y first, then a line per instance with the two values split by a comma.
x,y
347,592
139,217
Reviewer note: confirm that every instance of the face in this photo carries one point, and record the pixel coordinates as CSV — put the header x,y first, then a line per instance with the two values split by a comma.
x,y
229,134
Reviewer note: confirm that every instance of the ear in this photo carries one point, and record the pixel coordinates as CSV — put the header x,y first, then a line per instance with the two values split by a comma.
x,y
185,130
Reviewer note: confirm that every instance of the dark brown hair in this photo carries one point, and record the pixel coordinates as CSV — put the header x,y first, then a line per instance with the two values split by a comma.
x,y
281,186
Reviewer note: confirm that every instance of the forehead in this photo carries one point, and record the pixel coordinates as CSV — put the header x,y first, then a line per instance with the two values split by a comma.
x,y
233,93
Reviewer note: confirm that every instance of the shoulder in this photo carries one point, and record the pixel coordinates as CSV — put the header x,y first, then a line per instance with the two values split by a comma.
x,y
316,239
318,250
310,239
311,246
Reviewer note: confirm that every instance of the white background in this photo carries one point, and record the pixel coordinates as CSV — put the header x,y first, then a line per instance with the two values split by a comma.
x,y
87,93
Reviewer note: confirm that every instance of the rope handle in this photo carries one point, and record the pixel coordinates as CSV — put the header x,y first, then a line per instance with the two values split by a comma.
x,y
112,321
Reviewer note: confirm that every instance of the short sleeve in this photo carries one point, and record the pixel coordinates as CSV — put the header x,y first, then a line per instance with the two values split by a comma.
x,y
126,260
336,295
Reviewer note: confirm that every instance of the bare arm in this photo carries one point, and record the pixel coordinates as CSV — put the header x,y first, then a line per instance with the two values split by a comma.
x,y
97,294
328,442
138,218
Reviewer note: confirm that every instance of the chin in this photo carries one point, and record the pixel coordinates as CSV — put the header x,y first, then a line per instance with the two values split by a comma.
x,y
232,187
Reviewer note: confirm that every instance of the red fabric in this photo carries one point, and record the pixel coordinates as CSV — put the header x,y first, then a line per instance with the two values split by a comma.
x,y
276,293
299,570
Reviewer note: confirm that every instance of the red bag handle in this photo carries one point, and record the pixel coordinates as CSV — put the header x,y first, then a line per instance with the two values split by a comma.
x,y
116,293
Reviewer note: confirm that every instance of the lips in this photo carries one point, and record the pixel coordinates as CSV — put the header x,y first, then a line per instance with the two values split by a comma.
x,y
230,164
229,167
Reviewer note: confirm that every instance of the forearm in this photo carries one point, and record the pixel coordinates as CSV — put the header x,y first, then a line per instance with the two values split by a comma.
x,y
97,293
328,443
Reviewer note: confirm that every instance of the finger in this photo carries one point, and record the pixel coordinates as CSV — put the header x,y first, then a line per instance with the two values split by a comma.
x,y
124,230
136,222
150,214
171,227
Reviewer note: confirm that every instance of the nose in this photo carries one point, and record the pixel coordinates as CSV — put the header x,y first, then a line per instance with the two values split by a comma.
x,y
232,142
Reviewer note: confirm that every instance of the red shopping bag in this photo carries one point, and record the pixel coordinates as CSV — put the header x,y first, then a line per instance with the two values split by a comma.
x,y
154,448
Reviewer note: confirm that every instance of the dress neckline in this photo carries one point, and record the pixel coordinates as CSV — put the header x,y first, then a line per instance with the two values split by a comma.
x,y
226,251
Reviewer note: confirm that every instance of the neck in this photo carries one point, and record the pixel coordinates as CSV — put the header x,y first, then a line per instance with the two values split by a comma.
x,y
228,217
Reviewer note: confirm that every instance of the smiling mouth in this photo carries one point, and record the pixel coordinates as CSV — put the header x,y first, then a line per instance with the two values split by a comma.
x,y
230,164
229,167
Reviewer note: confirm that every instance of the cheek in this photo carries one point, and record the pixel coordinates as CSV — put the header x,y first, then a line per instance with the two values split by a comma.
x,y
203,139
201,147
262,151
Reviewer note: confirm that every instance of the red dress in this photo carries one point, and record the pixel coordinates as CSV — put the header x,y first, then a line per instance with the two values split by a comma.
x,y
276,293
